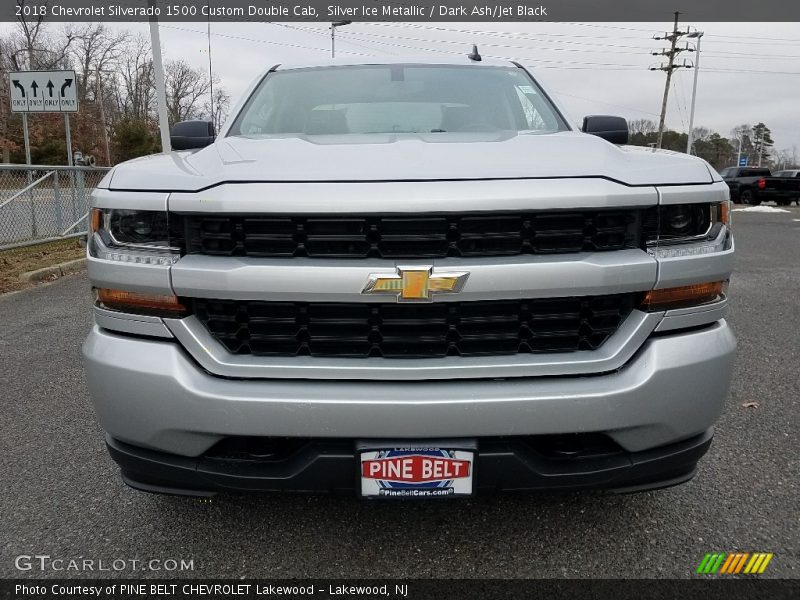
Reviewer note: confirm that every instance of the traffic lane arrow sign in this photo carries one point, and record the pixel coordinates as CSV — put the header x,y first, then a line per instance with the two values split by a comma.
x,y
51,104
35,100
19,87
43,91
19,99
69,101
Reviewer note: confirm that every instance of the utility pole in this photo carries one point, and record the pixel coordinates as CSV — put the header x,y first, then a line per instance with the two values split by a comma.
x,y
669,68
739,154
760,149
161,86
210,72
699,36
334,25
103,117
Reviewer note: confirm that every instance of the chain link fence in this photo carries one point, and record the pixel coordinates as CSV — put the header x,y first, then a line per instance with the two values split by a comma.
x,y
42,203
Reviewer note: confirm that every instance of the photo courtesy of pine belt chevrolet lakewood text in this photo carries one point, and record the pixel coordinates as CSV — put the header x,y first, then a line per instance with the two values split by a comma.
x,y
408,279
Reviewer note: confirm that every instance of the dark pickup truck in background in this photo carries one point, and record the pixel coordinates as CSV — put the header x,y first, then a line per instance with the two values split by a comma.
x,y
754,185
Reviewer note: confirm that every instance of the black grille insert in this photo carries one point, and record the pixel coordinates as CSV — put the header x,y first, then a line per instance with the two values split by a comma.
x,y
424,236
393,330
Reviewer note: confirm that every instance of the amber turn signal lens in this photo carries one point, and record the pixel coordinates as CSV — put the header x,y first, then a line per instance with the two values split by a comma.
x,y
680,297
724,207
97,219
141,303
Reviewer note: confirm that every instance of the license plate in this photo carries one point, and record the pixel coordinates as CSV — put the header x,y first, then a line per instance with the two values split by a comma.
x,y
416,471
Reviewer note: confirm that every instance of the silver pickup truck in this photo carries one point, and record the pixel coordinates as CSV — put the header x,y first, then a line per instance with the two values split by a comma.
x,y
408,279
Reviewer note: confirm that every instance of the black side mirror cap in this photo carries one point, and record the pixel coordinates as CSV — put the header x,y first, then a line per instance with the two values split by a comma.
x,y
188,135
611,129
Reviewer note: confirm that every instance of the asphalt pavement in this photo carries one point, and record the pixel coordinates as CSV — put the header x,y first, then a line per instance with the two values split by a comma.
x,y
61,495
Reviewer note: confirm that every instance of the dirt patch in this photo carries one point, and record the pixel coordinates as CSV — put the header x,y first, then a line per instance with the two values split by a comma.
x,y
19,260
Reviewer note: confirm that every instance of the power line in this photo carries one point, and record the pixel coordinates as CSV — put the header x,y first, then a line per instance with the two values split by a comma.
x,y
765,42
749,56
258,41
577,65
322,33
489,44
602,26
753,71
678,104
753,37
495,33
593,45
596,101
510,58
505,34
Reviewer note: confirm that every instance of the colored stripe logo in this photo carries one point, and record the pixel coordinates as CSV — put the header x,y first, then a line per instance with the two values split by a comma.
x,y
734,563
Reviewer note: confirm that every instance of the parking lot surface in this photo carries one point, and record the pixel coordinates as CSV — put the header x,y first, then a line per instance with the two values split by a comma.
x,y
62,496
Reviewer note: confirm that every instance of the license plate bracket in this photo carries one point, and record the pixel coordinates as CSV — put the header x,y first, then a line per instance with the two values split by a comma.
x,y
402,469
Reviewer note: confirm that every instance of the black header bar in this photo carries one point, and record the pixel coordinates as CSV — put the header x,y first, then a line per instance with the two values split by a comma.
x,y
733,588
402,10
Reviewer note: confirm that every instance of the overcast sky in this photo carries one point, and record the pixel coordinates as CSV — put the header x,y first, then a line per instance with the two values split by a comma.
x,y
750,72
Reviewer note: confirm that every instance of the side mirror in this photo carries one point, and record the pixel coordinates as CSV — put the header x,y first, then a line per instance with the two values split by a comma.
x,y
611,129
188,135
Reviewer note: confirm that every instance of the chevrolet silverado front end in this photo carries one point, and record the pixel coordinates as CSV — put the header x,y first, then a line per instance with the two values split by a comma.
x,y
408,279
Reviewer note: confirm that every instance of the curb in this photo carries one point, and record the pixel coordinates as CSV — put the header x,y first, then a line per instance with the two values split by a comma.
x,y
54,272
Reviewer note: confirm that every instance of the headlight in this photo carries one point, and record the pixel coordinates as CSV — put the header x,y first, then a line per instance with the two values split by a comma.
x,y
685,229
138,236
137,227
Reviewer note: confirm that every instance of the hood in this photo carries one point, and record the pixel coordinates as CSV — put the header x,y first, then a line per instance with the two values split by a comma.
x,y
408,157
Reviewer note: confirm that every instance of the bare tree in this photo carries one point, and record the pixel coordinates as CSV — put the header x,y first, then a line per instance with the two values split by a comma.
x,y
742,132
134,91
186,89
96,48
701,134
643,126
218,114
35,48
782,158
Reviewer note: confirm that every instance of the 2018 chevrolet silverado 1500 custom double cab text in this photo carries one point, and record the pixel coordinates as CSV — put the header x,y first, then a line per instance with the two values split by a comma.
x,y
408,279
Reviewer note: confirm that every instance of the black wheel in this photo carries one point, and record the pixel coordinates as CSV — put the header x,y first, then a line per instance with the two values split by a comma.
x,y
748,197
783,202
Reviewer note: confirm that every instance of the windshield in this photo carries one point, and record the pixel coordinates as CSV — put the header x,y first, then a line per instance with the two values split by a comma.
x,y
396,99
754,173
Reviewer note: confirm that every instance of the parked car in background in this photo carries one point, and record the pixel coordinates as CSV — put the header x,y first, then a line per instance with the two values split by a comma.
x,y
754,185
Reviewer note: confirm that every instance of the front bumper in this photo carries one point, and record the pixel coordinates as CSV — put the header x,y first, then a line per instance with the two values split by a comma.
x,y
150,394
508,464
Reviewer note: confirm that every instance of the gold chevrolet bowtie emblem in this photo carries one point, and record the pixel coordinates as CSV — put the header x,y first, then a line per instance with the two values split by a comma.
x,y
415,284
